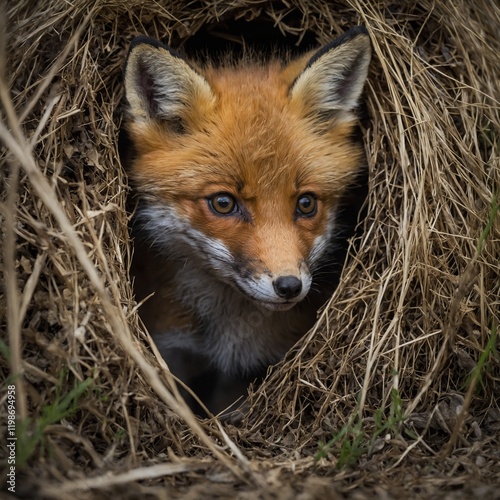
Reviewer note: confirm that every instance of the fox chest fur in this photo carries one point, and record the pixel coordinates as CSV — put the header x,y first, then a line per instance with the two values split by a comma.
x,y
240,173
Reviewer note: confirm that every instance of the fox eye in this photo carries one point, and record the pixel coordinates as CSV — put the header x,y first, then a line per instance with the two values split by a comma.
x,y
223,203
307,205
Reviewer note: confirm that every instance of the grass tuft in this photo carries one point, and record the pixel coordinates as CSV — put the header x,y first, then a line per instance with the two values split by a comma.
x,y
30,432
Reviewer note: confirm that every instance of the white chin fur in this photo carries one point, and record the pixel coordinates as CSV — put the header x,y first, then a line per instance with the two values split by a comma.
x,y
276,306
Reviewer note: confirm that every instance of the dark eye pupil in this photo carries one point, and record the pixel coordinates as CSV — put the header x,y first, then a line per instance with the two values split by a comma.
x,y
223,203
306,204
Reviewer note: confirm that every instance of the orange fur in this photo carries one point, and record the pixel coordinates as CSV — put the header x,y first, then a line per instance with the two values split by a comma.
x,y
231,289
251,137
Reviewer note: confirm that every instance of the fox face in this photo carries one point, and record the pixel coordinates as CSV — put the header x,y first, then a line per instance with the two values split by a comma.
x,y
239,169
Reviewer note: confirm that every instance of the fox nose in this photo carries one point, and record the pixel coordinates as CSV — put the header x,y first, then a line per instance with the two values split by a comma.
x,y
287,287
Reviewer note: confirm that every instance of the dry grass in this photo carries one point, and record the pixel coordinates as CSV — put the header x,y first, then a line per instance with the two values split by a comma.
x,y
412,322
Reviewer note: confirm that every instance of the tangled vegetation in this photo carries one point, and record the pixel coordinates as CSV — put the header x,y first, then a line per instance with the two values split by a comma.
x,y
396,389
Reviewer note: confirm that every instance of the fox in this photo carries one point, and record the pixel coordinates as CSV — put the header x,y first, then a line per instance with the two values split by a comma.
x,y
240,171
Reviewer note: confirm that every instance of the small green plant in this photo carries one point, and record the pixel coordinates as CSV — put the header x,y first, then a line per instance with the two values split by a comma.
x,y
350,436
352,446
355,442
30,432
487,228
476,375
4,350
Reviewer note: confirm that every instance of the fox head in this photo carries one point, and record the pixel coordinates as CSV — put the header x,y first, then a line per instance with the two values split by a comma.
x,y
240,168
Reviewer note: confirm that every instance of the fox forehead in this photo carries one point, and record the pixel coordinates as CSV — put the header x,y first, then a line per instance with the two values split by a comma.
x,y
250,136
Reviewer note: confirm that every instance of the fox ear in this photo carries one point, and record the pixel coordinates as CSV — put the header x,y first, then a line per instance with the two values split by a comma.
x,y
160,85
330,85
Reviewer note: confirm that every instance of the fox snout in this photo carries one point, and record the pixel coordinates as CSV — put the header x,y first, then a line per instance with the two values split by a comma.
x,y
276,291
287,287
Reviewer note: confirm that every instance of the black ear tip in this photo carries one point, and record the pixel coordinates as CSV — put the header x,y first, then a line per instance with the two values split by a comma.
x,y
146,40
151,42
358,30
143,40
136,42
350,35
346,37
